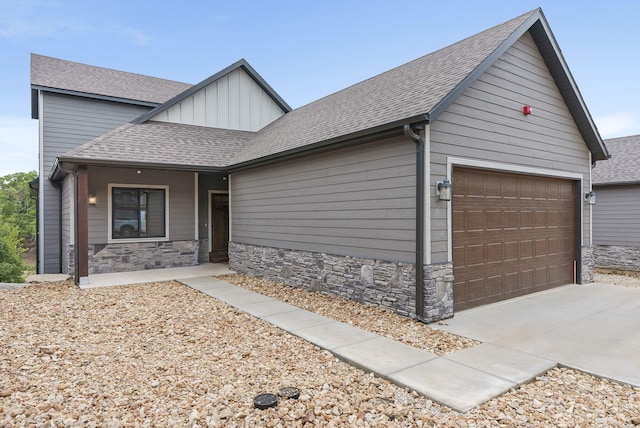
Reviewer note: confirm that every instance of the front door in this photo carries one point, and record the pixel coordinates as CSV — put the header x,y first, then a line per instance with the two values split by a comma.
x,y
219,228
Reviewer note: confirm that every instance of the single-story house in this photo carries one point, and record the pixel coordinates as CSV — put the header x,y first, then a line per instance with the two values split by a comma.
x,y
616,224
452,181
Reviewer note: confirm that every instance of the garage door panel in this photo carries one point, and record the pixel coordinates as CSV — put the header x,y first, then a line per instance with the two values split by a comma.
x,y
526,219
475,255
511,219
494,286
540,219
512,282
476,289
541,247
494,220
474,221
494,252
513,235
526,249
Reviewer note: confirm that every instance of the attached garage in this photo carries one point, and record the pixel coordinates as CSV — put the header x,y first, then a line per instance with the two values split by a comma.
x,y
513,234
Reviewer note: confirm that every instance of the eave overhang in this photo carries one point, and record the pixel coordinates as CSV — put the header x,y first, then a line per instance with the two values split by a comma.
x,y
388,130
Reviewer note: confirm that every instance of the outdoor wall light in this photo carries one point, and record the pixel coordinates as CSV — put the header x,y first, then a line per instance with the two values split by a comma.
x,y
443,190
590,197
92,199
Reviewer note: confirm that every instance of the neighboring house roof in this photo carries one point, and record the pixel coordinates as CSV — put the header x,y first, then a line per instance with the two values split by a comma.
x,y
622,168
414,93
163,145
242,64
58,75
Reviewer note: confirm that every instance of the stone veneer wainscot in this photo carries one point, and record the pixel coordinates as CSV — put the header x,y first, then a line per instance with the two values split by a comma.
x,y
617,257
132,256
389,285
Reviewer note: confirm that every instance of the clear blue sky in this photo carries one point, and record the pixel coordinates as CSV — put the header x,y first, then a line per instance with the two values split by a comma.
x,y
305,50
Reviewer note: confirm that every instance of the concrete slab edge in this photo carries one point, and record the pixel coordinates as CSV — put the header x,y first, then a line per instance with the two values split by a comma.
x,y
598,375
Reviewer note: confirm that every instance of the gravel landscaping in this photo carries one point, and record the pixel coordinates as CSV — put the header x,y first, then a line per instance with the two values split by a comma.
x,y
162,354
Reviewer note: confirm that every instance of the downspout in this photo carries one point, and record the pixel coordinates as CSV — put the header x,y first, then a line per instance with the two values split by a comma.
x,y
420,203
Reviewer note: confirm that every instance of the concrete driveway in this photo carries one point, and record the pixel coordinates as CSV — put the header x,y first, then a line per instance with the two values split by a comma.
x,y
593,328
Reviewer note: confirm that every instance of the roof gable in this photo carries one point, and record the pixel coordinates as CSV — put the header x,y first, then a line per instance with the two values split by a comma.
x,y
73,77
236,97
622,168
418,91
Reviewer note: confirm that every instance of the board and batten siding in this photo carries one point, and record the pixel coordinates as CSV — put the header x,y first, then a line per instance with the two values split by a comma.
x,y
235,101
615,216
181,195
68,122
486,123
357,201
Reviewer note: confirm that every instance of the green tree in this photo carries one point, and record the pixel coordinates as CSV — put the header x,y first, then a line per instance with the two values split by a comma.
x,y
17,223
17,207
11,266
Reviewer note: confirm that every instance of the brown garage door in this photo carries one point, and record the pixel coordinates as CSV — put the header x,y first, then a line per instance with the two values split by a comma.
x,y
512,235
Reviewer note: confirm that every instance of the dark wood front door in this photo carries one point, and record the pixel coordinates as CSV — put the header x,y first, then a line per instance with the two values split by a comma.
x,y
219,228
513,234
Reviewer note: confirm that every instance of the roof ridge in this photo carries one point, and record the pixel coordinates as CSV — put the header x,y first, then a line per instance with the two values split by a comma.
x,y
75,78
98,67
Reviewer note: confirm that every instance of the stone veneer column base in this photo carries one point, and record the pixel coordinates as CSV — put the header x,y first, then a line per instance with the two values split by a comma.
x,y
588,263
389,285
132,256
70,268
617,257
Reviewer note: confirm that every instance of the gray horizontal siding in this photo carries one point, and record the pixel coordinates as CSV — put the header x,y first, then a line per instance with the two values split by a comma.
x,y
486,123
68,122
358,201
181,199
615,216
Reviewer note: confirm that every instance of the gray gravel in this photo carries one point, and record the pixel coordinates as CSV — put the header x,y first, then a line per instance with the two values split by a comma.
x,y
163,354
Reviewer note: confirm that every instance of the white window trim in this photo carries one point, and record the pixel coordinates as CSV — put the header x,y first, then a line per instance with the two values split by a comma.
x,y
110,240
506,167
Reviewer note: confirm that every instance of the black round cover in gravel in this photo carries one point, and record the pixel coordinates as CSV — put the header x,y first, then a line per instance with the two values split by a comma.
x,y
264,401
289,392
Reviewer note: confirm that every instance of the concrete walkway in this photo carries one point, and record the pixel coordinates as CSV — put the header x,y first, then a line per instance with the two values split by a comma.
x,y
156,275
460,381
593,328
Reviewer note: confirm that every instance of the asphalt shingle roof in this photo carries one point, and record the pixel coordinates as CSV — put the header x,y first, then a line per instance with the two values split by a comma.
x,y
623,165
73,76
418,89
164,144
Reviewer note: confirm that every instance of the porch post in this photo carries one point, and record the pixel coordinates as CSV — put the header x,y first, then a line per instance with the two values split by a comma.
x,y
82,226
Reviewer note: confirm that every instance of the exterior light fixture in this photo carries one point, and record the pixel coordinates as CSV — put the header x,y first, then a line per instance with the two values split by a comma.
x,y
92,199
443,190
527,110
590,197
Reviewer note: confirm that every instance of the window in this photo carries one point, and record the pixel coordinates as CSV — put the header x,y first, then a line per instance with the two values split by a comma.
x,y
138,212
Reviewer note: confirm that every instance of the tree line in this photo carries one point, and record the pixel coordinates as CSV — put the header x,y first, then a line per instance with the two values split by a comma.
x,y
17,223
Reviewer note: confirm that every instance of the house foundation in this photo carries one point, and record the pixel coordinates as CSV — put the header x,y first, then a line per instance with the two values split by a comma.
x,y
617,257
132,256
385,284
